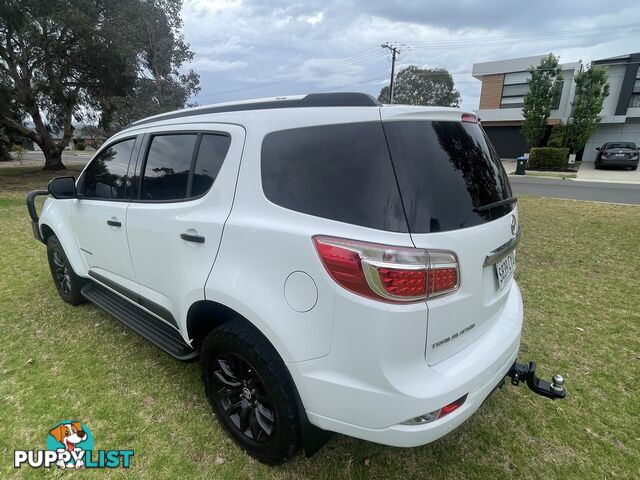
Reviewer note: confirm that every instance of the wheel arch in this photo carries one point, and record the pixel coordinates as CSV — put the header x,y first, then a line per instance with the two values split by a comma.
x,y
68,245
204,316
46,231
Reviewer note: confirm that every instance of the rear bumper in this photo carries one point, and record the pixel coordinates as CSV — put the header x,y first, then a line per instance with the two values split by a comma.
x,y
375,412
612,162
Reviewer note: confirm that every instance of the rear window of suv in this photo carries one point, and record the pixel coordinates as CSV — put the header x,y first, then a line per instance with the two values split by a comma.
x,y
340,172
445,171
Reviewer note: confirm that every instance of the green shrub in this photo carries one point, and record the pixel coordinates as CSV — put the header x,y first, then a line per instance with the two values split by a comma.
x,y
558,137
548,158
80,146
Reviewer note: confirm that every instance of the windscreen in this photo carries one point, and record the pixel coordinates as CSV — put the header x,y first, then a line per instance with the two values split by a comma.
x,y
446,170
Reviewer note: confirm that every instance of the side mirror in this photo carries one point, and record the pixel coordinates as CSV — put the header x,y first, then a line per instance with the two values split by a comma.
x,y
62,187
598,148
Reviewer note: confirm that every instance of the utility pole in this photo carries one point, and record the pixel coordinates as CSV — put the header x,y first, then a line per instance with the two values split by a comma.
x,y
394,52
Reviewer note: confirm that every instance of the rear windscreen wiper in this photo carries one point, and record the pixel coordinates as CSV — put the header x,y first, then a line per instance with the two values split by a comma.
x,y
499,203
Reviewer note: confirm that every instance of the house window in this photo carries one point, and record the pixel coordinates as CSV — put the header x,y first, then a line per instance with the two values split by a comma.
x,y
635,94
515,87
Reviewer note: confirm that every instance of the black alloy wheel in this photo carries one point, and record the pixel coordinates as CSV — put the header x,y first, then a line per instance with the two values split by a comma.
x,y
251,391
67,282
243,397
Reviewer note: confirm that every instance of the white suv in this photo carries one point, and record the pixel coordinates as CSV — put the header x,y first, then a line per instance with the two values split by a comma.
x,y
337,265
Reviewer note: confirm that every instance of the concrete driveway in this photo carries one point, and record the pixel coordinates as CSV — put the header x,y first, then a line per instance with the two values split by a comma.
x,y
588,173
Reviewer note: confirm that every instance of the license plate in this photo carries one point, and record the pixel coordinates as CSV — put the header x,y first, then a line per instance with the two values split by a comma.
x,y
619,155
505,269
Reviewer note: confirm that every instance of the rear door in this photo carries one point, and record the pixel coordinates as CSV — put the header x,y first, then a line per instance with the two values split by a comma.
x,y
187,179
447,172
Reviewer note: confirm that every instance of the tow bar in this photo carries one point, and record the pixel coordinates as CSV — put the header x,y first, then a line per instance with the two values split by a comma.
x,y
521,372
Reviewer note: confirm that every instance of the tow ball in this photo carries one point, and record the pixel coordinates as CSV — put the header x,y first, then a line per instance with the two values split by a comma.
x,y
521,372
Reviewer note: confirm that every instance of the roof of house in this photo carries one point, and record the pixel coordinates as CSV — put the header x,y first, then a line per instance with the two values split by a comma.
x,y
628,58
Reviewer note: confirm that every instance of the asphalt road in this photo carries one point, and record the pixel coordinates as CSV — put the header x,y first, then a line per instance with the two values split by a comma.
x,y
558,188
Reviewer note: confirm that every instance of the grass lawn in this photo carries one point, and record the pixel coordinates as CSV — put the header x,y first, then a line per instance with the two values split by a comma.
x,y
578,267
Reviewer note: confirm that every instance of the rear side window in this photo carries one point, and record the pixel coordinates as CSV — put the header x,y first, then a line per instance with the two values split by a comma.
x,y
213,149
106,175
166,172
339,172
182,166
445,170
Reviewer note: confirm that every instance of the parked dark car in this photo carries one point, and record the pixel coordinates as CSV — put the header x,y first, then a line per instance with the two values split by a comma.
x,y
617,154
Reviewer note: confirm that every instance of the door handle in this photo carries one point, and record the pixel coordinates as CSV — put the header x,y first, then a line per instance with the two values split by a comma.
x,y
192,238
114,222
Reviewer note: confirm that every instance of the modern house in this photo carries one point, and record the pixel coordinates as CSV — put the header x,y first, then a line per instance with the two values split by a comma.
x,y
504,84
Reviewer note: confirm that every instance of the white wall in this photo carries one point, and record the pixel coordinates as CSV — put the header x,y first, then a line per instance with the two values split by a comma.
x,y
615,75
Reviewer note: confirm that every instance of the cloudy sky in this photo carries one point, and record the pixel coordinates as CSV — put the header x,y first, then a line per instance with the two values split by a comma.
x,y
250,48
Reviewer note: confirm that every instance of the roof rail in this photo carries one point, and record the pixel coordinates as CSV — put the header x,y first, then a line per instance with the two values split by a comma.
x,y
340,99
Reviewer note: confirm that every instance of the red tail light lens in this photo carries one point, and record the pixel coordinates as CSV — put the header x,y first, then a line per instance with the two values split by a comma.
x,y
388,273
441,279
447,409
345,267
404,283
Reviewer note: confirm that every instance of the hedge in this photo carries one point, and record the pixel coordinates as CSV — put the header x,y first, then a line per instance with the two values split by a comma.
x,y
548,158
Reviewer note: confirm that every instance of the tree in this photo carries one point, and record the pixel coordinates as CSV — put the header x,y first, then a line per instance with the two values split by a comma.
x,y
5,145
160,86
591,90
66,60
53,62
95,135
544,86
423,86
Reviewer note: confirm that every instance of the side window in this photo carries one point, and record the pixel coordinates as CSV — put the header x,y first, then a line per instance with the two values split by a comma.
x,y
213,149
340,172
105,176
166,172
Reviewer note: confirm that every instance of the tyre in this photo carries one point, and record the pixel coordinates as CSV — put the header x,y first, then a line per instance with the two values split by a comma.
x,y
64,278
251,392
596,165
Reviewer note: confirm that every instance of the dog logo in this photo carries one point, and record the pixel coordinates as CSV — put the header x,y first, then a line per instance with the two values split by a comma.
x,y
70,446
70,437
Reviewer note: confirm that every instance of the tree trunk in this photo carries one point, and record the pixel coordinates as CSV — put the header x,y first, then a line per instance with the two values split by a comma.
x,y
52,159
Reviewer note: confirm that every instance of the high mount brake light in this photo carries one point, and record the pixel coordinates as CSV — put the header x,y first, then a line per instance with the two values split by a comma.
x,y
388,273
468,118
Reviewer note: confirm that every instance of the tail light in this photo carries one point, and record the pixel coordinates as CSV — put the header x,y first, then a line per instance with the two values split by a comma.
x,y
605,153
389,273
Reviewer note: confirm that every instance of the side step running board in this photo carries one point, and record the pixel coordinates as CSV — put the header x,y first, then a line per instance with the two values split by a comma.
x,y
156,331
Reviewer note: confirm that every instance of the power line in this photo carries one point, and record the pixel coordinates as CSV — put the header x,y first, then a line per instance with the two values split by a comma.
x,y
580,31
329,66
372,53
